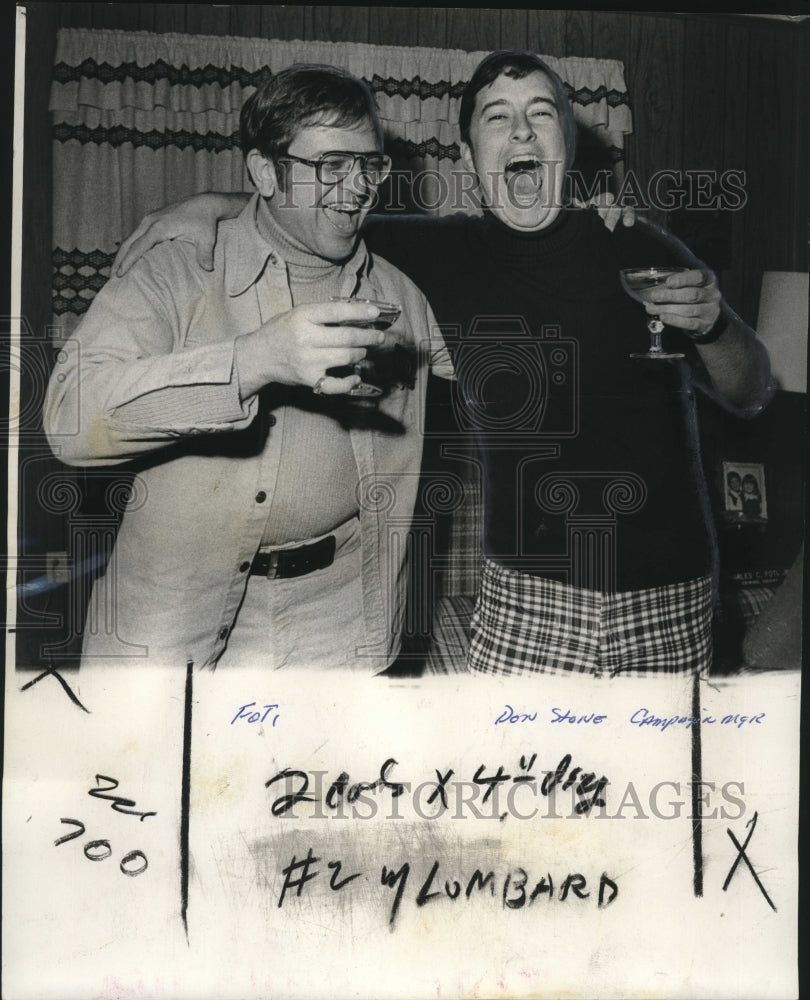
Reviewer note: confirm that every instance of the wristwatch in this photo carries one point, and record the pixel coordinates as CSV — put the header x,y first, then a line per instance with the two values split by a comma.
x,y
713,333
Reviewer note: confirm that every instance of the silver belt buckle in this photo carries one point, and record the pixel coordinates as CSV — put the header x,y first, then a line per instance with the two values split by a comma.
x,y
272,567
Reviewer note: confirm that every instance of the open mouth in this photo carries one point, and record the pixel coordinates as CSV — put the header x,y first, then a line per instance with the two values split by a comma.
x,y
524,179
344,216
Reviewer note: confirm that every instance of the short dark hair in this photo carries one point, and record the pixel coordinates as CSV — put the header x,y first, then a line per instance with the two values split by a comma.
x,y
516,64
301,95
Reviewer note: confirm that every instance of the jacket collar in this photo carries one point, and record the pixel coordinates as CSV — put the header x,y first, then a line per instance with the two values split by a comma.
x,y
247,253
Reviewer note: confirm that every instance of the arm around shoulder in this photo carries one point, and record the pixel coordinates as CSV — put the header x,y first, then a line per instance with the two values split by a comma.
x,y
192,221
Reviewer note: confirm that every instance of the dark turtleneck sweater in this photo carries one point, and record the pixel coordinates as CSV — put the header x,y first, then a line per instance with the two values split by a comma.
x,y
589,458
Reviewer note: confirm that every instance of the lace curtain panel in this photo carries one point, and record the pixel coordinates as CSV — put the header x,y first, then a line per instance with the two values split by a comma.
x,y
141,120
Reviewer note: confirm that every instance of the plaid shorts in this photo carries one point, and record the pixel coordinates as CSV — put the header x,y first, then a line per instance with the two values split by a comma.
x,y
528,624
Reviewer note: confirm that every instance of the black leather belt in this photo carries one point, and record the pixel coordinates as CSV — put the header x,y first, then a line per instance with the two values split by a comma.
x,y
284,563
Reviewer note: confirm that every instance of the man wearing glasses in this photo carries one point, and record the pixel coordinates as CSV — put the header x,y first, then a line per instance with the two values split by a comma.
x,y
259,536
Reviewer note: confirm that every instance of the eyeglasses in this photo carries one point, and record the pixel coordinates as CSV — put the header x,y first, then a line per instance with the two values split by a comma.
x,y
334,167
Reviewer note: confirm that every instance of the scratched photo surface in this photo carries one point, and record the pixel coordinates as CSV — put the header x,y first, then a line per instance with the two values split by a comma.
x,y
365,694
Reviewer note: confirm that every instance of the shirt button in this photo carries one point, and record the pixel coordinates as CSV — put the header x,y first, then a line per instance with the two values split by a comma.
x,y
223,632
271,420
244,567
261,496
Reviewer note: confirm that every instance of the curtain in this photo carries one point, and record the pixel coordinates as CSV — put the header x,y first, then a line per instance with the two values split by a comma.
x,y
141,120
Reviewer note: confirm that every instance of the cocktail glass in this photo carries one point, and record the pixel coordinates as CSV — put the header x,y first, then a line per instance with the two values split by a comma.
x,y
639,282
389,314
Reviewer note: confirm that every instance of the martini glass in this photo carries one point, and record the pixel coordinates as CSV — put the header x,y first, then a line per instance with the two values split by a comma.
x,y
639,282
389,313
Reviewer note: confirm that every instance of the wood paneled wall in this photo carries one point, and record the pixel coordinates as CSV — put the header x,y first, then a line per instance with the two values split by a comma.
x,y
708,92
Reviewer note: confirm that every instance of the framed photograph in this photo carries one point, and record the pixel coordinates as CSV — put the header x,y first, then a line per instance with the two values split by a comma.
x,y
745,495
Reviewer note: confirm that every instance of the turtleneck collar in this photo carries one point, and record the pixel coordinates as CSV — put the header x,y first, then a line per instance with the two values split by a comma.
x,y
554,258
302,263
525,247
249,253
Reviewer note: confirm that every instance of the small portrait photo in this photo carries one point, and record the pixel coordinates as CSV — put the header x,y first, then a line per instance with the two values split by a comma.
x,y
744,491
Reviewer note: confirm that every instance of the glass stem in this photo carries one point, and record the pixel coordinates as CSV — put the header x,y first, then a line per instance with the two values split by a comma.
x,y
656,341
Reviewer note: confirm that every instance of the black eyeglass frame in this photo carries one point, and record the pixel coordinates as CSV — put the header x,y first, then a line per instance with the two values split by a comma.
x,y
363,158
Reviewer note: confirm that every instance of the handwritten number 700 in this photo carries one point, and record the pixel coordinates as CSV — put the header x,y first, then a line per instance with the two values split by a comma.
x,y
100,850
